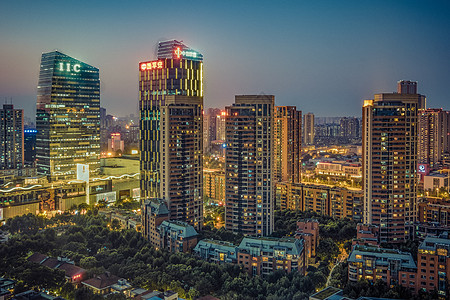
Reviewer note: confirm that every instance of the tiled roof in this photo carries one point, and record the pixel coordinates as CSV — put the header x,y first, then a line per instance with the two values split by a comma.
x,y
51,262
37,257
71,270
102,281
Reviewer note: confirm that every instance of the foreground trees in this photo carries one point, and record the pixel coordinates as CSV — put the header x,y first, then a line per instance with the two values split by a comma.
x,y
94,246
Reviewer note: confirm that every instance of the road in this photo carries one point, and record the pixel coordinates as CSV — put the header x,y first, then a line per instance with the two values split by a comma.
x,y
340,259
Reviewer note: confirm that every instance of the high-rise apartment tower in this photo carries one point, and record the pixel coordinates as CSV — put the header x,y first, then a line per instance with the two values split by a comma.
x,y
434,135
287,144
11,138
308,128
249,163
390,134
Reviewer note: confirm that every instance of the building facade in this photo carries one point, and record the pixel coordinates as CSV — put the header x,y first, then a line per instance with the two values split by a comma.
x,y
178,71
154,213
339,169
390,132
287,144
249,165
262,256
337,202
177,236
218,252
67,116
29,135
391,266
434,210
308,230
349,127
433,265
181,161
434,136
214,185
308,129
11,138
210,127
257,256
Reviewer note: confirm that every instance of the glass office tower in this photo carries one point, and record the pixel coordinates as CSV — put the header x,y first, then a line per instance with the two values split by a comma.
x,y
67,116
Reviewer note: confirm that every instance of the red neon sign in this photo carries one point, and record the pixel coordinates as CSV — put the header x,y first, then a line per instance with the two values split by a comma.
x,y
178,52
151,65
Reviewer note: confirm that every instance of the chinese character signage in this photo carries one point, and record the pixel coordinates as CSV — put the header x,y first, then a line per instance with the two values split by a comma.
x,y
151,65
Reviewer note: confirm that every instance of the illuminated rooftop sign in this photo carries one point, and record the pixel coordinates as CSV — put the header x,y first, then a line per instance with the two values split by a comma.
x,y
151,65
68,67
185,53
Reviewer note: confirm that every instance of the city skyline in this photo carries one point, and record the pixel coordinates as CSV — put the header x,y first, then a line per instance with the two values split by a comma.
x,y
342,48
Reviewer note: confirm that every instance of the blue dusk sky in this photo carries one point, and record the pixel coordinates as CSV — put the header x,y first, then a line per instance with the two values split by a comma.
x,y
325,57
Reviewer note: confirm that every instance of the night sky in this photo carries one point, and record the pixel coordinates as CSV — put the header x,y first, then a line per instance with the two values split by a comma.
x,y
325,57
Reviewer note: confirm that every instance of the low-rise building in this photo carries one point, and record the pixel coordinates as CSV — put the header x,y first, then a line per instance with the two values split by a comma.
x,y
433,229
257,256
101,284
262,256
367,235
73,273
214,184
143,294
6,288
34,295
177,236
391,266
340,169
328,293
308,230
433,263
434,210
128,219
154,213
338,202
34,196
218,252
436,180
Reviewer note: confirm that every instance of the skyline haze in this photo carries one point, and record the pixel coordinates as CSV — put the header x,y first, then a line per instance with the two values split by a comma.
x,y
324,57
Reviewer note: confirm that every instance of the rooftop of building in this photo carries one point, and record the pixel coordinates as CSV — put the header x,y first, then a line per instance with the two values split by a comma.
x,y
437,175
291,245
51,262
185,230
6,283
33,295
219,246
37,257
382,255
177,49
431,243
157,207
102,281
4,293
326,293
61,263
71,270
308,220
